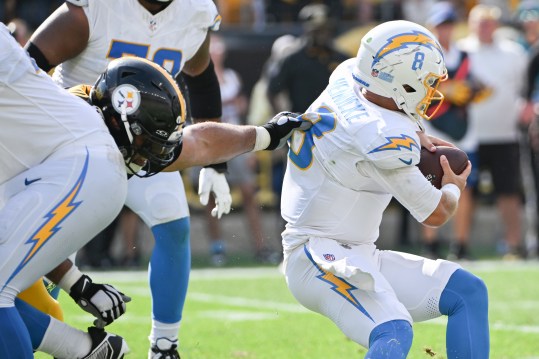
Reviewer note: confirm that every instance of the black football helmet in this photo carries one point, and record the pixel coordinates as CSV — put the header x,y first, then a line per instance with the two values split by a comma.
x,y
144,110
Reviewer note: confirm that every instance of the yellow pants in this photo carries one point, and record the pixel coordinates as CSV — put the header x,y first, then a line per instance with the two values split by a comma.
x,y
37,296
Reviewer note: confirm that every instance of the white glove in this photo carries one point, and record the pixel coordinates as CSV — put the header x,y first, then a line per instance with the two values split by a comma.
x,y
103,301
210,180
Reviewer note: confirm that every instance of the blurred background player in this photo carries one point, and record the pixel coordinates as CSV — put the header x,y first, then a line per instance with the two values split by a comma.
x,y
341,175
500,65
260,108
62,181
173,34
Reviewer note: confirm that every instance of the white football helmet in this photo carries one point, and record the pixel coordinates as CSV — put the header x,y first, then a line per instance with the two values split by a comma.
x,y
403,61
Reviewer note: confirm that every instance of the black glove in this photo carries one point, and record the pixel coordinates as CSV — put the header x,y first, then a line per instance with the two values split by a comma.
x,y
103,301
281,126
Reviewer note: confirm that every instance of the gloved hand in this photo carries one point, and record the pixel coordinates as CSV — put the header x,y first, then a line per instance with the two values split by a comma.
x,y
210,180
281,126
103,301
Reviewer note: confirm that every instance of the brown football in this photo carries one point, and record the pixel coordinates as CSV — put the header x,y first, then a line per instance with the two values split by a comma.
x,y
429,164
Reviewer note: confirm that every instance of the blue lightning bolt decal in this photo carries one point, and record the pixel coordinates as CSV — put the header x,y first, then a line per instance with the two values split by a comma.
x,y
338,285
52,222
396,143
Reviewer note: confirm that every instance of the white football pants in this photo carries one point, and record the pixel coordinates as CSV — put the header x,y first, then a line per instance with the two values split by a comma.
x,y
51,210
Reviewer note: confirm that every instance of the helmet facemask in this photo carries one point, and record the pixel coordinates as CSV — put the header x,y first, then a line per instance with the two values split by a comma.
x,y
431,83
158,152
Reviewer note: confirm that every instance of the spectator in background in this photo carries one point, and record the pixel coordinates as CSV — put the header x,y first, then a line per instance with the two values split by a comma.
x,y
305,72
260,109
20,30
241,170
500,65
450,123
34,12
417,11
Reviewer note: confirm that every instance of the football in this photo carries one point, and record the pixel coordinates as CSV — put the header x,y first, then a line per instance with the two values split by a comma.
x,y
429,164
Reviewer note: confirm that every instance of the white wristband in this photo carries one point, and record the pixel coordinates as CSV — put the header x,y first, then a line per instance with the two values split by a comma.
x,y
70,278
263,139
451,190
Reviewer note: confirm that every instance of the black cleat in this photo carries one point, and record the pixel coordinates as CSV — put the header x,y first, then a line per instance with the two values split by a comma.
x,y
106,345
164,349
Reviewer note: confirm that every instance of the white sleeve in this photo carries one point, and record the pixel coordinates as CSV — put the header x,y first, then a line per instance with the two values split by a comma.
x,y
408,186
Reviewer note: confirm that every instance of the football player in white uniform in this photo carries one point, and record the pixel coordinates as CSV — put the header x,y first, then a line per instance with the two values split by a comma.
x,y
144,110
342,173
62,181
174,34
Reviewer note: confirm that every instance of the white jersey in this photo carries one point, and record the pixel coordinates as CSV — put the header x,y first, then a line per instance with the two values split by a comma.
x,y
29,99
501,66
125,28
343,172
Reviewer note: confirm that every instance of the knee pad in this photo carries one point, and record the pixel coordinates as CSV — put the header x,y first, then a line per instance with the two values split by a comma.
x,y
464,290
393,337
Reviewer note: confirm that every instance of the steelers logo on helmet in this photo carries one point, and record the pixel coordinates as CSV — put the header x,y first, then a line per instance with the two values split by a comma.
x,y
403,61
126,98
144,110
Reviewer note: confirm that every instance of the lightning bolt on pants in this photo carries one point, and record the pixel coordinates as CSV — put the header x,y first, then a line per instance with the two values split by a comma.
x,y
79,192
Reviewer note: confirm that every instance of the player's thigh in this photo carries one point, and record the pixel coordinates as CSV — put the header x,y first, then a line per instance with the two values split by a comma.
x,y
355,311
418,282
157,199
42,223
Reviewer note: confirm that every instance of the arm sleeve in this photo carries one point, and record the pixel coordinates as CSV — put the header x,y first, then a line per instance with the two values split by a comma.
x,y
204,93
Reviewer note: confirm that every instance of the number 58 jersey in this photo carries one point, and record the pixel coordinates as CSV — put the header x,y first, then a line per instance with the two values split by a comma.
x,y
125,28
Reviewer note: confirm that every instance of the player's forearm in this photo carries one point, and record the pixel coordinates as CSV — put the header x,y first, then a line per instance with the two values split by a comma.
x,y
444,211
58,273
209,142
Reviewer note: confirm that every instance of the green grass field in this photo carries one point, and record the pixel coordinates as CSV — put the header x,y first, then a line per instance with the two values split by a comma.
x,y
249,313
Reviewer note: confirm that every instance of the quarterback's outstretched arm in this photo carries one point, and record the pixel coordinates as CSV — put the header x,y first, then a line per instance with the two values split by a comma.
x,y
209,142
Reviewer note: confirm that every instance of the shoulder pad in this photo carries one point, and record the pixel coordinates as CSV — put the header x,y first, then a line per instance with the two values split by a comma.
x,y
394,150
80,3
207,12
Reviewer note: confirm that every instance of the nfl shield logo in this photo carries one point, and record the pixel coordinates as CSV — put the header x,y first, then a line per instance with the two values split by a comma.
x,y
329,257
